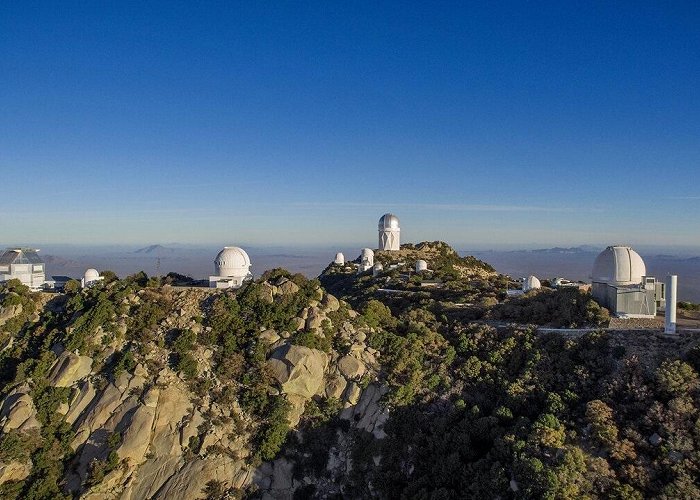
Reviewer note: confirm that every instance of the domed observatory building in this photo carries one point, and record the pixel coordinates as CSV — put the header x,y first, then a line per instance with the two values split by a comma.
x,y
366,260
531,283
621,285
421,266
90,278
339,259
231,267
389,233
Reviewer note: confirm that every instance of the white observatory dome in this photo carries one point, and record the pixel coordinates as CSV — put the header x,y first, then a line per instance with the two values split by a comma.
x,y
367,253
421,266
339,259
388,221
91,275
531,283
232,261
377,268
618,265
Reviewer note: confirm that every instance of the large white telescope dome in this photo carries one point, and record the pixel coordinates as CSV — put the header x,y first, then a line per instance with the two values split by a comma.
x,y
619,265
531,283
233,262
91,275
388,221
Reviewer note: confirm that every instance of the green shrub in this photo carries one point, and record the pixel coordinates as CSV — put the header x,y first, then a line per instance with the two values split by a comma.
x,y
273,431
187,365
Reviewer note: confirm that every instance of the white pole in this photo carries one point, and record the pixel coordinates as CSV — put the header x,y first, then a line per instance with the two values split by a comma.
x,y
671,289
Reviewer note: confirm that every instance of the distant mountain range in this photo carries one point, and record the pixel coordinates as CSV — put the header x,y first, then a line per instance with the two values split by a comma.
x,y
59,261
561,250
155,249
676,258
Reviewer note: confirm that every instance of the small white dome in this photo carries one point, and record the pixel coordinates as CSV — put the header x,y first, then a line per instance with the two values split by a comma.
x,y
377,269
233,262
619,265
388,221
339,259
531,283
421,266
91,275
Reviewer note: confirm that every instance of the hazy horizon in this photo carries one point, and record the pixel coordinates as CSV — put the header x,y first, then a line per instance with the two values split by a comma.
x,y
680,251
197,261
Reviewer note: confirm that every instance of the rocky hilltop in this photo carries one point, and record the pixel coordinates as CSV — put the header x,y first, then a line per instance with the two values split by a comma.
x,y
298,388
142,391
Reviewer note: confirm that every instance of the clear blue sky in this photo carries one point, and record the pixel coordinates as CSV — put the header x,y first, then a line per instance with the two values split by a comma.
x,y
302,122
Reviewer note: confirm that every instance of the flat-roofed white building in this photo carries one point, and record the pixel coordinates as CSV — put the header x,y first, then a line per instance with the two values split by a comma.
x,y
25,265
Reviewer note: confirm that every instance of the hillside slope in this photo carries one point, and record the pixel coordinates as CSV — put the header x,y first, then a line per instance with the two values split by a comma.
x,y
136,389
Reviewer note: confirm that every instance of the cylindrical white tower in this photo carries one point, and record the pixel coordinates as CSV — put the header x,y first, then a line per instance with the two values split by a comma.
x,y
339,259
389,233
671,298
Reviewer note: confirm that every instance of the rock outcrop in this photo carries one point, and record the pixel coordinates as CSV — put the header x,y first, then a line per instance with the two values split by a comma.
x,y
18,412
7,313
69,368
299,370
14,471
147,431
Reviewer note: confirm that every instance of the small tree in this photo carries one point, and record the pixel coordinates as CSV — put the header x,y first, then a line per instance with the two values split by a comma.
x,y
72,286
676,378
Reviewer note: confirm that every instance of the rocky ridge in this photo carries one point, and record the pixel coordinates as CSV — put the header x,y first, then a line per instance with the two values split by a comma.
x,y
146,433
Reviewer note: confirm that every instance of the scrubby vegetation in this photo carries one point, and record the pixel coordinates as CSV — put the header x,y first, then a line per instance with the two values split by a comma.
x,y
130,315
480,404
688,306
479,412
560,308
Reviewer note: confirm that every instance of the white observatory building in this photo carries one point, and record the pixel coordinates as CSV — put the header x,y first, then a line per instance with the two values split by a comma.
x,y
366,260
621,285
25,265
531,283
339,259
231,268
421,266
389,233
90,278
